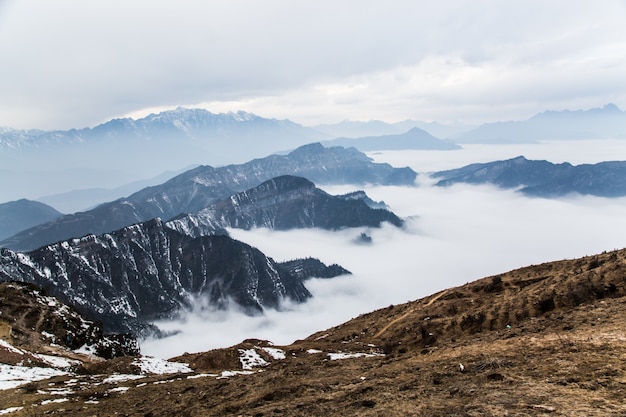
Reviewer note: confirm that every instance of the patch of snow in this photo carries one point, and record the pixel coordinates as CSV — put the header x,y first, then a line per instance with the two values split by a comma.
x,y
114,379
119,389
10,410
275,353
341,355
48,335
202,376
60,391
250,359
25,260
57,361
159,366
9,347
86,350
313,351
58,400
14,376
228,374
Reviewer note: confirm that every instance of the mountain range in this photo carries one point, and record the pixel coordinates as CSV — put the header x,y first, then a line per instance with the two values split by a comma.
x,y
149,271
543,178
415,139
195,189
283,203
187,128
606,122
42,163
123,150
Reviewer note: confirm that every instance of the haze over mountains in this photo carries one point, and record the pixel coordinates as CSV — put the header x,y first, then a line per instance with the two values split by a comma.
x,y
127,149
195,189
606,122
415,138
23,214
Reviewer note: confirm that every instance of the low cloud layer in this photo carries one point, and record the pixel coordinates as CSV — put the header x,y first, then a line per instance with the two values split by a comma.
x,y
453,235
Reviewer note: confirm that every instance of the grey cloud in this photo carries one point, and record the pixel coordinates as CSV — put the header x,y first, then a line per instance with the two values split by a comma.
x,y
68,64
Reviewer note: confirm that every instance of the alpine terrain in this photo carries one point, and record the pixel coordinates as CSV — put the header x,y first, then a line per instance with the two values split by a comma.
x,y
196,189
149,271
541,340
543,178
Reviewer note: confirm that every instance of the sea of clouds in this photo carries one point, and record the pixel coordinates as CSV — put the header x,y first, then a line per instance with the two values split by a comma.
x,y
452,236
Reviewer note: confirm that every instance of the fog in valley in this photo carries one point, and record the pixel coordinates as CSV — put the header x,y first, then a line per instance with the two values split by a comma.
x,y
452,236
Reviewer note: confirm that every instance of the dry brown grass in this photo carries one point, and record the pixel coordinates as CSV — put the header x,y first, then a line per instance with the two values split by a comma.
x,y
544,340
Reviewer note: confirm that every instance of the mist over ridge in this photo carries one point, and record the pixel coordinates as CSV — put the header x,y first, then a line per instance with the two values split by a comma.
x,y
452,236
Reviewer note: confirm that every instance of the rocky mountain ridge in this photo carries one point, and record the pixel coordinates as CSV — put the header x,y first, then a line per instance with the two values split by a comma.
x,y
283,203
148,271
543,178
195,189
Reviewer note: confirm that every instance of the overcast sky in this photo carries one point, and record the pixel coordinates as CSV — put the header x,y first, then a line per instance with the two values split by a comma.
x,y
79,63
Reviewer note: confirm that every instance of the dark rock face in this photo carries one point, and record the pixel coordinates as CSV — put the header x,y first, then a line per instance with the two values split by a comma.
x,y
360,195
311,267
30,312
148,271
22,214
196,189
283,203
542,178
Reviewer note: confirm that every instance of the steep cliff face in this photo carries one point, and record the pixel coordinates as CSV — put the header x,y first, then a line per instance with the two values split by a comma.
x,y
148,271
282,203
195,189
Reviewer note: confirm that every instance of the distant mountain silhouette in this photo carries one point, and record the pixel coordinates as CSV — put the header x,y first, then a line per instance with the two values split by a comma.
x,y
358,129
606,122
415,138
543,178
23,214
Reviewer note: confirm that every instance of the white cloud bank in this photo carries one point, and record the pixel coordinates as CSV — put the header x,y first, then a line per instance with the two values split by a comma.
x,y
459,234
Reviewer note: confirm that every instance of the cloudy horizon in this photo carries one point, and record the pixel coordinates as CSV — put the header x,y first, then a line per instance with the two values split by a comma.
x,y
78,64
